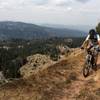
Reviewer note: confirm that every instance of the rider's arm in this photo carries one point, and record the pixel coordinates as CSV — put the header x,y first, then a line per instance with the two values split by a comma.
x,y
98,37
85,43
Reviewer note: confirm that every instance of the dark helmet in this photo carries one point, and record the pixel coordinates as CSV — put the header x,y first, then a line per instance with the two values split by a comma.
x,y
92,31
92,34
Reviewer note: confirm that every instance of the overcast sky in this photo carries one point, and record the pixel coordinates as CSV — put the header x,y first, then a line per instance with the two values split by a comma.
x,y
67,12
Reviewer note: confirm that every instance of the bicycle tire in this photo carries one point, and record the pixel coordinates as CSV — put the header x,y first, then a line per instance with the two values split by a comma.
x,y
86,70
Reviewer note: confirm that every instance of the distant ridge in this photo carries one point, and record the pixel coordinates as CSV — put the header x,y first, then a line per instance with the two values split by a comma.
x,y
84,28
21,30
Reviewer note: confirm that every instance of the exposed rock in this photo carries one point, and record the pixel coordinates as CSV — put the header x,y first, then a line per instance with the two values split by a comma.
x,y
64,49
35,62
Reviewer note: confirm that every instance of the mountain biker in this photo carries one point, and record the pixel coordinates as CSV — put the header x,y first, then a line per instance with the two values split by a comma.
x,y
92,40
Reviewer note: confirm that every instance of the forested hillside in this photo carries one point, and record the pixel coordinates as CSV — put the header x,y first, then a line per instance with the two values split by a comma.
x,y
20,30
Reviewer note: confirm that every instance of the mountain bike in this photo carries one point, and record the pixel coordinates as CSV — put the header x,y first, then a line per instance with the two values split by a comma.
x,y
90,63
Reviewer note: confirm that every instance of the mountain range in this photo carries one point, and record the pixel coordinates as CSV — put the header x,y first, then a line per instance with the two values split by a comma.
x,y
84,28
21,30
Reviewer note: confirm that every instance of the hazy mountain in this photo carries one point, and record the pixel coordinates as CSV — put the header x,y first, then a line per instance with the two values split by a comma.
x,y
65,32
21,30
10,29
84,28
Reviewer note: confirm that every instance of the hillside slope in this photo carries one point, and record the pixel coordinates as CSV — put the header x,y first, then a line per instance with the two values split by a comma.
x,y
61,81
20,30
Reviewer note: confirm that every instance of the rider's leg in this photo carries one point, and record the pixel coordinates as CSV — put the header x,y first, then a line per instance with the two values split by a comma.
x,y
96,58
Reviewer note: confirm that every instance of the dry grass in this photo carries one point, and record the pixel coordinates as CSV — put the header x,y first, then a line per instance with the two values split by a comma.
x,y
61,81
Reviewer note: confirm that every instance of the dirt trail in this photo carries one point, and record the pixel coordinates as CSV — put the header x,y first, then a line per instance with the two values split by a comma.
x,y
61,81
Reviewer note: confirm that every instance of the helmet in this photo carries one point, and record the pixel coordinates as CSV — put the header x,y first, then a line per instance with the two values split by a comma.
x,y
92,34
92,31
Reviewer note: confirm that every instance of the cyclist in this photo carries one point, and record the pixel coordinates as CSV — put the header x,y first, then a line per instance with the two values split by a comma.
x,y
92,40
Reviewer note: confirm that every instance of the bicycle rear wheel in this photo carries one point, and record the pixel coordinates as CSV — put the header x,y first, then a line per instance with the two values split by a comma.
x,y
94,67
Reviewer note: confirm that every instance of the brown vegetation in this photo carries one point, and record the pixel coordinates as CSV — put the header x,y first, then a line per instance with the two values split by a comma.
x,y
61,81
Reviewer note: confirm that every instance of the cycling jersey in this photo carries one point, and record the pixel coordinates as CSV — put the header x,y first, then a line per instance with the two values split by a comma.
x,y
97,37
94,41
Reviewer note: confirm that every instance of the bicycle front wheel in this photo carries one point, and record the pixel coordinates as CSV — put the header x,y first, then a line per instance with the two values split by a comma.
x,y
86,70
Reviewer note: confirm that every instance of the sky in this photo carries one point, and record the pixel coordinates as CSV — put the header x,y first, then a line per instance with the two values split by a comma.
x,y
64,12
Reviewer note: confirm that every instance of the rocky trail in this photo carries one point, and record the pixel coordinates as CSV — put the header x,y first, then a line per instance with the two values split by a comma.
x,y
59,81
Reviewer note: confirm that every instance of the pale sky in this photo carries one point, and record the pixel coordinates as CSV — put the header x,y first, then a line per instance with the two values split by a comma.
x,y
67,12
